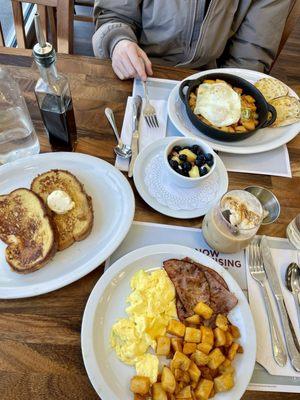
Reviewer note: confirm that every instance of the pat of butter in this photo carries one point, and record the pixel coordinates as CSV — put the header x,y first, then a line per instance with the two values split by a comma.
x,y
60,202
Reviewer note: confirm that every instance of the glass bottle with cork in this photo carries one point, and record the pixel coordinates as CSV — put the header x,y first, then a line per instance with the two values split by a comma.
x,y
53,96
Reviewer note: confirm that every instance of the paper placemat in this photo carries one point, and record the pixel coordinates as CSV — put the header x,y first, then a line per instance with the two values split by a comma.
x,y
144,234
274,162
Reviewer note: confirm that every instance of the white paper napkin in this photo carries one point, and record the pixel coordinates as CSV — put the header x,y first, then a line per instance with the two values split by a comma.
x,y
147,135
274,162
282,258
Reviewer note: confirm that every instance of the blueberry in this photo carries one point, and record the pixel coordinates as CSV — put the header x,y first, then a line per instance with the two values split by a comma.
x,y
208,157
185,173
200,151
182,157
203,171
187,147
177,149
200,160
195,148
186,166
210,163
169,157
173,163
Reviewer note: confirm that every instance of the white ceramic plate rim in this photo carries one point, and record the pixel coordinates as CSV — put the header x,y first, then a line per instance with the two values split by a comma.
x,y
88,353
94,262
226,147
139,182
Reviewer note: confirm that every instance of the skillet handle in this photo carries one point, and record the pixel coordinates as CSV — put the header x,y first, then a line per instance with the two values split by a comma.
x,y
181,87
270,121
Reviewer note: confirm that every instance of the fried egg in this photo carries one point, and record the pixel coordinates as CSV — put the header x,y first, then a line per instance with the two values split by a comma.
x,y
218,103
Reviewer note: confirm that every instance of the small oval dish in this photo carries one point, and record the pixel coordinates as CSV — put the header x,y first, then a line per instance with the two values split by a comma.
x,y
263,107
186,144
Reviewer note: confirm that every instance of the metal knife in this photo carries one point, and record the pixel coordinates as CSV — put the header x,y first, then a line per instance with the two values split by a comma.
x,y
275,285
137,107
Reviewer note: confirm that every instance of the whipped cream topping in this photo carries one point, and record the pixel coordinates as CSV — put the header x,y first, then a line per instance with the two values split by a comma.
x,y
60,202
240,213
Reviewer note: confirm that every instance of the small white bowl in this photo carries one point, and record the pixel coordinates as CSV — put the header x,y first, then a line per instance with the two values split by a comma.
x,y
185,181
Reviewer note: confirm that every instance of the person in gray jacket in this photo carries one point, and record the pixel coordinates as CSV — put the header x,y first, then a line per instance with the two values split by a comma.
x,y
199,34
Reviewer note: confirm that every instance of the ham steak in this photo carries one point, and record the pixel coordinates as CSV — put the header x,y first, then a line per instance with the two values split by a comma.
x,y
194,282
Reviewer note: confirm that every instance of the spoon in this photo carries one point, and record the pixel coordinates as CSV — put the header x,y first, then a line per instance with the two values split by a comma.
x,y
292,278
121,149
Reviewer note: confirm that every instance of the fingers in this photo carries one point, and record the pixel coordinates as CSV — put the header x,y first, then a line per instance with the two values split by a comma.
x,y
137,62
146,61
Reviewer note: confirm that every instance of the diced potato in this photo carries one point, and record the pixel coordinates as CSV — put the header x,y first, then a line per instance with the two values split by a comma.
x,y
158,392
207,335
194,319
232,351
204,347
223,383
249,125
212,393
176,344
192,335
203,310
181,361
163,345
176,328
234,330
240,350
200,358
140,385
240,128
168,380
185,393
220,337
216,358
249,98
182,376
194,372
226,367
179,387
189,348
204,389
193,386
229,339
222,322
191,157
137,396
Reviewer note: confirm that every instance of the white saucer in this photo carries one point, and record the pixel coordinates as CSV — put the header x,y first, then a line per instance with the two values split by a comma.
x,y
156,189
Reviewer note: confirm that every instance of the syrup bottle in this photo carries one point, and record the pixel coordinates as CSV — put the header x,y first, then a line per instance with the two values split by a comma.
x,y
53,96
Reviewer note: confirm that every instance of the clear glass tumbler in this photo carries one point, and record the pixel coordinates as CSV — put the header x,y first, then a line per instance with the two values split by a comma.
x,y
17,135
232,223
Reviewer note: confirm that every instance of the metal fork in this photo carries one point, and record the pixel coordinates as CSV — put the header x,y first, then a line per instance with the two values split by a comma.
x,y
149,111
258,273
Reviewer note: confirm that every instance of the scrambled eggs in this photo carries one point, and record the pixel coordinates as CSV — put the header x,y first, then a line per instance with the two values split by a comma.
x,y
152,305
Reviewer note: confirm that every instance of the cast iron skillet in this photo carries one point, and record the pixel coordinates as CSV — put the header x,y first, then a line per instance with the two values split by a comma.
x,y
263,107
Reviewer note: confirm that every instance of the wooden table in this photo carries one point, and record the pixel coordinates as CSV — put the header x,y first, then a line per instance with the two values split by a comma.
x,y
40,356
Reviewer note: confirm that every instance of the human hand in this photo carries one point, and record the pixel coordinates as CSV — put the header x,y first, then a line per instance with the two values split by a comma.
x,y
130,61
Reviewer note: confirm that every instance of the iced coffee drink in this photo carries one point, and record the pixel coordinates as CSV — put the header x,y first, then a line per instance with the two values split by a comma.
x,y
230,225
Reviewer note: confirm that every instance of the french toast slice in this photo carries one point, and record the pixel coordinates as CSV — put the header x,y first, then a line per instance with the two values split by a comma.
x,y
27,229
76,224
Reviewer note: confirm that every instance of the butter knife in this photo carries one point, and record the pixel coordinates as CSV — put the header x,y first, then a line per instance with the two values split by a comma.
x,y
137,107
275,285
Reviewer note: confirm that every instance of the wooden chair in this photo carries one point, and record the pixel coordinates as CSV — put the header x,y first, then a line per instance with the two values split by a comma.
x,y
83,3
56,18
2,43
294,14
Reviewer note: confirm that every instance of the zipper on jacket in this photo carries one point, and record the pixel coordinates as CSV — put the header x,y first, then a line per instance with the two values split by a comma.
x,y
200,38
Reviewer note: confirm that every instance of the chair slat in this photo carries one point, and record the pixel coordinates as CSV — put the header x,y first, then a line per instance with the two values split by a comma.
x,y
1,36
19,24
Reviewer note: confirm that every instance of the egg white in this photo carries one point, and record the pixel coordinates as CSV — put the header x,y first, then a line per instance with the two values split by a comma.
x,y
218,103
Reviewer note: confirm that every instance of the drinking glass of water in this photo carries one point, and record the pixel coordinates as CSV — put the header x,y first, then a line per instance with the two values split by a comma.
x,y
17,135
293,232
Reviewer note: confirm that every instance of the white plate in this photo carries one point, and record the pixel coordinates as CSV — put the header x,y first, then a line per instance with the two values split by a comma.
x,y
145,157
113,204
107,302
262,140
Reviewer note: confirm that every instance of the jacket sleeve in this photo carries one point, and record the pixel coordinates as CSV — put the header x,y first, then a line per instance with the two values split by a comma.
x,y
115,20
256,41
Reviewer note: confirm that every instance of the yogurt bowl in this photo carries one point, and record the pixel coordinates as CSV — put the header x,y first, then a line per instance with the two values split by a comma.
x,y
186,146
